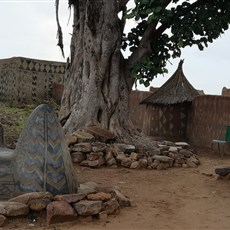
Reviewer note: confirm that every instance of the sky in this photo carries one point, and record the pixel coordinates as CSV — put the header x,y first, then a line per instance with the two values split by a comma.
x,y
28,29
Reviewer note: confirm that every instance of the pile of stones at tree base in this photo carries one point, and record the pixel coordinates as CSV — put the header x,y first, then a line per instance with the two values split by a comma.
x,y
87,151
91,202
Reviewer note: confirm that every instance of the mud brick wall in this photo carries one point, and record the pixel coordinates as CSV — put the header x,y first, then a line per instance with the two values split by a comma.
x,y
208,114
137,111
25,80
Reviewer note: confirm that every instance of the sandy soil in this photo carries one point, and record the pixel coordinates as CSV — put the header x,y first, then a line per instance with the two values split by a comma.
x,y
177,198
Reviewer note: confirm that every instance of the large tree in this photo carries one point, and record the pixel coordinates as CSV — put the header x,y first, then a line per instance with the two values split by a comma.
x,y
99,79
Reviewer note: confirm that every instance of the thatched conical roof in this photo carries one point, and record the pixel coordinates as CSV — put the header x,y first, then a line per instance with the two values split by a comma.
x,y
176,90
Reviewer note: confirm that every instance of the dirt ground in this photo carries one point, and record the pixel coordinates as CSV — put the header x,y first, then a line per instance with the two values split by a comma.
x,y
176,198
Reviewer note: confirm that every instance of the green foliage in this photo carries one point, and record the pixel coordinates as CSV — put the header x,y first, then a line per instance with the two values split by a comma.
x,y
185,23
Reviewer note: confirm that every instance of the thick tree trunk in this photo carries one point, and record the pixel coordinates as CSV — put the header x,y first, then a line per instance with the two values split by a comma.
x,y
97,88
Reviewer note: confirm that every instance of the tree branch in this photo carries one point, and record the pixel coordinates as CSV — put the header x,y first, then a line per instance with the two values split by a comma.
x,y
151,34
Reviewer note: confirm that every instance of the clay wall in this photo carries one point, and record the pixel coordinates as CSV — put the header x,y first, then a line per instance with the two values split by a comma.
x,y
24,80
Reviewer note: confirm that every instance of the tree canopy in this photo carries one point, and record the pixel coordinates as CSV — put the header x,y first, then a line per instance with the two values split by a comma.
x,y
166,26
163,27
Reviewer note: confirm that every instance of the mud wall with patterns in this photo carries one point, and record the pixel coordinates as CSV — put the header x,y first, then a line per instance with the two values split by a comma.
x,y
25,80
208,114
137,111
166,122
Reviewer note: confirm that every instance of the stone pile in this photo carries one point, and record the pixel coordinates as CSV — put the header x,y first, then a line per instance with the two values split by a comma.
x,y
90,202
87,151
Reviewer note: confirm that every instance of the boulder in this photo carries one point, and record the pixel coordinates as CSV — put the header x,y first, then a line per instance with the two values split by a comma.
x,y
163,158
185,152
135,165
99,196
111,206
70,198
9,208
38,205
60,211
83,147
88,207
83,136
28,197
70,139
222,170
78,157
121,198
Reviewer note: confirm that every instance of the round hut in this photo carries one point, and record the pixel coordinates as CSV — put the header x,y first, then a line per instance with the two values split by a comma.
x,y
168,108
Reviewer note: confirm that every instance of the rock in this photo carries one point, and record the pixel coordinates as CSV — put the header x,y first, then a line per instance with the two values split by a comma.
x,y
70,198
60,211
9,208
173,149
135,165
99,196
83,136
222,170
163,147
121,198
108,155
111,206
126,162
185,152
111,162
155,164
28,197
3,221
70,139
194,160
143,163
94,156
169,143
120,156
102,215
162,165
133,156
88,207
99,147
190,163
78,157
87,189
100,134
182,144
42,158
163,158
117,147
38,205
83,147
97,163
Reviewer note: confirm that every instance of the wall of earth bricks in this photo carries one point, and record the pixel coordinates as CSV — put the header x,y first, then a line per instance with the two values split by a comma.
x,y
25,80
208,114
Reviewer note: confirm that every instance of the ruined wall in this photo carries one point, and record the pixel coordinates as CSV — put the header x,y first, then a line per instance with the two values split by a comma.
x,y
25,80
209,113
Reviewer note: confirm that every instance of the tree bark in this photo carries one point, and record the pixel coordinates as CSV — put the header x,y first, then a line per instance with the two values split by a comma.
x,y
97,83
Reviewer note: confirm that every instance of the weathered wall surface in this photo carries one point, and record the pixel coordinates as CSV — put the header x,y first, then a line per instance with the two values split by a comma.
x,y
209,113
25,80
137,111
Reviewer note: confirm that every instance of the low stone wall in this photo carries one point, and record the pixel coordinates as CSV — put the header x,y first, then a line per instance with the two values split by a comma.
x,y
25,80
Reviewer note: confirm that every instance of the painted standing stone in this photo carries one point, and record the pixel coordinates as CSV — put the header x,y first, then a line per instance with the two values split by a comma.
x,y
42,160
